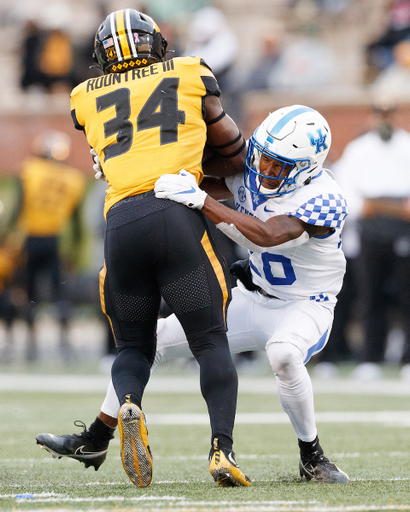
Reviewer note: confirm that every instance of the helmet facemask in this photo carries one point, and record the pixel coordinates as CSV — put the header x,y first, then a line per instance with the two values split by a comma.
x,y
285,181
290,145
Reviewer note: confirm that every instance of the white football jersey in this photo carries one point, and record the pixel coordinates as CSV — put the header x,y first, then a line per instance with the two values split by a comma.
x,y
313,270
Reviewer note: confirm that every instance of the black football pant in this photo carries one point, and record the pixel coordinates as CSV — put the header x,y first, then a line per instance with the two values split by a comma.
x,y
384,278
43,259
158,248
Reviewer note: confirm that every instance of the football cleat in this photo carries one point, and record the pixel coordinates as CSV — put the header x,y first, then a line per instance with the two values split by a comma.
x,y
320,468
135,452
80,447
224,468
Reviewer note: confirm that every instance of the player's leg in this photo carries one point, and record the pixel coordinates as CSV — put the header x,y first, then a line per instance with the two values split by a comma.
x,y
34,265
301,330
132,313
171,344
131,298
194,283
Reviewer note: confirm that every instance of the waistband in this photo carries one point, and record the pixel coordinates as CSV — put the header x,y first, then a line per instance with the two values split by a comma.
x,y
265,294
132,199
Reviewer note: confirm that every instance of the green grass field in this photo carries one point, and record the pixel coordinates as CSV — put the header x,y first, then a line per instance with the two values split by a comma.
x,y
373,449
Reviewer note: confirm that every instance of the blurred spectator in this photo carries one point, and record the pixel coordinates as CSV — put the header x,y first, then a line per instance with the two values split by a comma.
x,y
306,62
10,253
210,37
94,219
257,78
393,83
379,53
47,59
50,193
340,348
171,11
31,74
374,173
56,61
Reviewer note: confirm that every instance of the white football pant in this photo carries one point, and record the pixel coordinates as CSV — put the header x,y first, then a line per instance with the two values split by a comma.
x,y
290,332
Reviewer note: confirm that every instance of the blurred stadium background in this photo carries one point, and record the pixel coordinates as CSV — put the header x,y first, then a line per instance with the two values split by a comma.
x,y
345,27
332,72
364,426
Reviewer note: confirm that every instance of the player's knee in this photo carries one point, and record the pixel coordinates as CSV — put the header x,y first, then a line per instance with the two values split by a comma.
x,y
284,359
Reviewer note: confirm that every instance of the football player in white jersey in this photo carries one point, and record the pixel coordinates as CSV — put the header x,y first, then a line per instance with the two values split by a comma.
x,y
289,215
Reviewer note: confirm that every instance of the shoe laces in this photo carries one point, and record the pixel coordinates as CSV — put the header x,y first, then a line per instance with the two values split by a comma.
x,y
316,459
84,433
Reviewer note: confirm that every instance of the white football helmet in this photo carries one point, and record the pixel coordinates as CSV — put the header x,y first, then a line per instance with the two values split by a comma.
x,y
295,135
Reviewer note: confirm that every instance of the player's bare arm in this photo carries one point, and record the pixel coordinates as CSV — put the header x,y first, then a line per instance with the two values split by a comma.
x,y
217,190
275,231
225,150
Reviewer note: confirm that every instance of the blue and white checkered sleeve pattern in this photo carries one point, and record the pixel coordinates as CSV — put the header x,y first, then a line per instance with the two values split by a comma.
x,y
328,210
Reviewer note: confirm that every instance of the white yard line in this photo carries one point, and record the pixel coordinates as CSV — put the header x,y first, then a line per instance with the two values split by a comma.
x,y
49,460
387,417
190,385
180,504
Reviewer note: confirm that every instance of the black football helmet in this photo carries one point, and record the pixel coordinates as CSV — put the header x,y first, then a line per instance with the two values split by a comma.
x,y
128,39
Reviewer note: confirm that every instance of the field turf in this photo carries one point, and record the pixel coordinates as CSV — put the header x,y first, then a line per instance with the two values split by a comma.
x,y
365,432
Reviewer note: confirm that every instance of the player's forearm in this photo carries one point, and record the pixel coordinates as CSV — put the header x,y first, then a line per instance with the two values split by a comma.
x,y
216,188
276,231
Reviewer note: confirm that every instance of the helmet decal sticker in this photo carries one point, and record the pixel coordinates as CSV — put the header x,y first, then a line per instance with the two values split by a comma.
x,y
319,141
108,42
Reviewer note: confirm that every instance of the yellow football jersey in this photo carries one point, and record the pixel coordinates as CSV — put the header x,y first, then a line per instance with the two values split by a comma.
x,y
145,122
51,192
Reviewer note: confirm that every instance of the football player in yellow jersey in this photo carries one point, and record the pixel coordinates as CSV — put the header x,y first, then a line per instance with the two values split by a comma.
x,y
145,117
50,195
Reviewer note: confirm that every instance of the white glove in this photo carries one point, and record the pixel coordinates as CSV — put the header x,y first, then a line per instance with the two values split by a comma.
x,y
99,173
182,188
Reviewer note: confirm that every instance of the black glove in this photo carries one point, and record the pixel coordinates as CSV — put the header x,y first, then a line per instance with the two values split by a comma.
x,y
242,270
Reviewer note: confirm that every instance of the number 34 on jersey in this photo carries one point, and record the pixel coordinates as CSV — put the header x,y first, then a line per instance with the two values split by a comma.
x,y
145,122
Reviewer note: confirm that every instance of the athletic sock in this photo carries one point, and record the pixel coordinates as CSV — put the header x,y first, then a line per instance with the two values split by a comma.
x,y
100,433
309,447
225,443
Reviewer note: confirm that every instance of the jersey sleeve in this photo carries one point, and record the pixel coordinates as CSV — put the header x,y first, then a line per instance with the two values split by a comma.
x,y
75,94
329,210
209,80
77,125
234,182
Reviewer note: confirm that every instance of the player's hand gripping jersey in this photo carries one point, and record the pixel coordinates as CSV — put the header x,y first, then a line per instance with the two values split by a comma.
x,y
145,123
313,270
